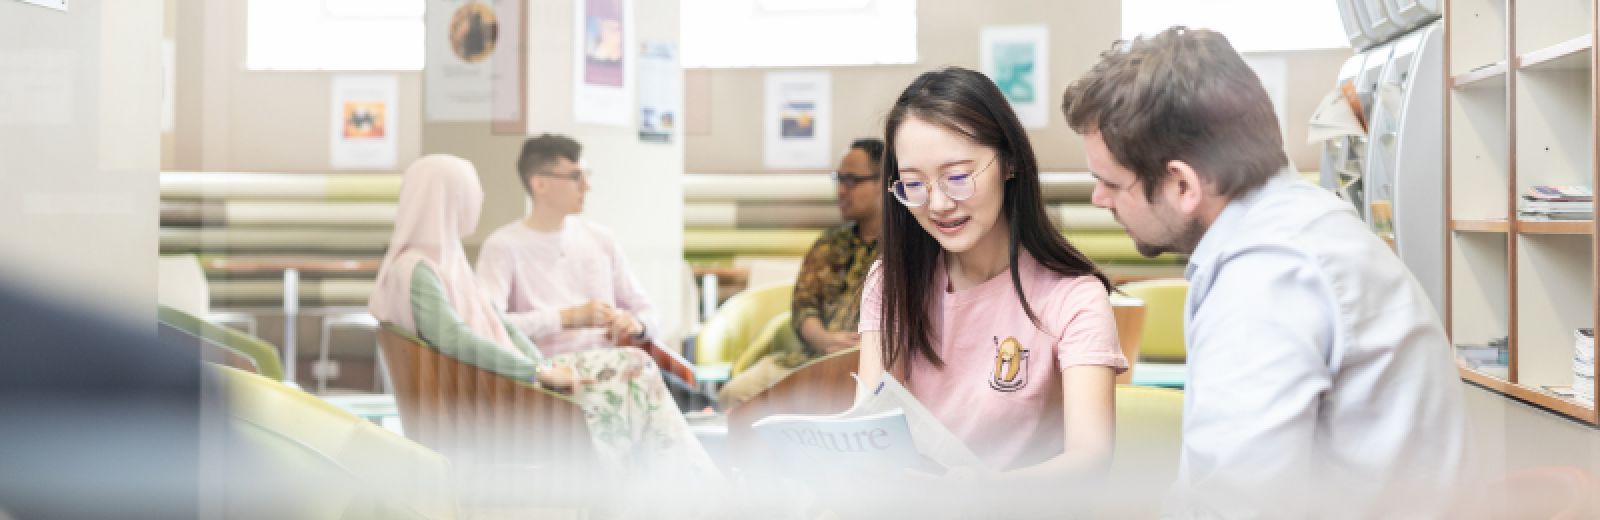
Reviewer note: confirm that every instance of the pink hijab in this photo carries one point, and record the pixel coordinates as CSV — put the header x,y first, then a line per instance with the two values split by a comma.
x,y
440,200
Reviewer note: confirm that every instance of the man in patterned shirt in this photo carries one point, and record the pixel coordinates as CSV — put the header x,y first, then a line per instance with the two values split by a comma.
x,y
827,295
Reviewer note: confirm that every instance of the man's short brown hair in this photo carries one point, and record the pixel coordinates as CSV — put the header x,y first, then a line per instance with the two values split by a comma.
x,y
539,152
1181,95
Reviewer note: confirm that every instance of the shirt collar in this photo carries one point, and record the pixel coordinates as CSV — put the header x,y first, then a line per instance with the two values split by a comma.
x,y
1229,220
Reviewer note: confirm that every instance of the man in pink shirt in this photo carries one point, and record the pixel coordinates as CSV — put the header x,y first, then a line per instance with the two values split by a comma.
x,y
561,280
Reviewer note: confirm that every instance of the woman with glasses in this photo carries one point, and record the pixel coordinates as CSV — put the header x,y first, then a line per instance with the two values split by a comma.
x,y
994,322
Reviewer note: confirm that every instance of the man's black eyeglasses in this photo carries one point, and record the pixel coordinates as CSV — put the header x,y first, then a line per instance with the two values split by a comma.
x,y
850,181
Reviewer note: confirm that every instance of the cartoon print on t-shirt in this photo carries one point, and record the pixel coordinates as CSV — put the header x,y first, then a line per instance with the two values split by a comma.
x,y
1010,365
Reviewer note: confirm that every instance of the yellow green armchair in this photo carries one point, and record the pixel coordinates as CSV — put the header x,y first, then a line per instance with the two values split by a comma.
x,y
778,335
1145,460
306,458
739,323
1162,340
243,350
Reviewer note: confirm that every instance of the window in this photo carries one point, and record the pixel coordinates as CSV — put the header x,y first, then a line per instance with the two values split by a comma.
x,y
334,35
798,33
1250,25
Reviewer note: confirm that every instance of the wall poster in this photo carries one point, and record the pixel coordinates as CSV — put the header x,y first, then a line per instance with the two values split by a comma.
x,y
464,40
603,46
1017,58
798,120
660,92
363,122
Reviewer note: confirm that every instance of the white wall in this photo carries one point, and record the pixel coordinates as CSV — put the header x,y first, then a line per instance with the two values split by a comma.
x,y
233,119
230,118
80,138
638,189
723,113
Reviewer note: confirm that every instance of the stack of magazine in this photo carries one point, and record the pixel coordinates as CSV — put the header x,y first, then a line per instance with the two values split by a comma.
x,y
1491,358
1557,203
1583,366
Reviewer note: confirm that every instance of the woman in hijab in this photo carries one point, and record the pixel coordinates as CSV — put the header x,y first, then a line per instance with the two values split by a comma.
x,y
426,286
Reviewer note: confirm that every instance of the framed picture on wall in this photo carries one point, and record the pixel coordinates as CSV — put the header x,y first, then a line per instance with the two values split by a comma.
x,y
660,92
470,46
363,131
798,113
1017,58
603,50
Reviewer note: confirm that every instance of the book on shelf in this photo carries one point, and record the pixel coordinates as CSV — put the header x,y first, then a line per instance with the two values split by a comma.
x,y
1557,203
1562,391
1483,355
1555,217
1493,358
884,433
1555,193
1583,365
1557,207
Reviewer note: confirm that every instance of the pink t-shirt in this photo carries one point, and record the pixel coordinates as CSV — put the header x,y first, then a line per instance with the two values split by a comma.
x,y
1000,388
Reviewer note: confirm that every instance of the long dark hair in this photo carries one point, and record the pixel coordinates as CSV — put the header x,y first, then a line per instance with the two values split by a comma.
x,y
967,103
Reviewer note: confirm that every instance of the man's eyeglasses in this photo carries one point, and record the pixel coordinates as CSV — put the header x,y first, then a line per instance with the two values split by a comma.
x,y
850,181
958,185
575,175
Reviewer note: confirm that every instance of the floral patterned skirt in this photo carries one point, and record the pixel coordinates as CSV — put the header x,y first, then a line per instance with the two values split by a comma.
x,y
636,428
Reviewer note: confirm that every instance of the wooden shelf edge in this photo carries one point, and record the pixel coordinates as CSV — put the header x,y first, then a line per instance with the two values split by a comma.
x,y
1554,52
1570,409
1562,406
1485,380
1476,76
1555,227
1481,225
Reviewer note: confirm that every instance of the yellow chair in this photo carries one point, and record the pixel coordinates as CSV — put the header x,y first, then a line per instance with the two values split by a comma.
x,y
1149,436
362,469
1162,340
738,324
238,349
777,335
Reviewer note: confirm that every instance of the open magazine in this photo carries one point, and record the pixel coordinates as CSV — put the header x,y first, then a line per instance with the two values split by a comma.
x,y
888,429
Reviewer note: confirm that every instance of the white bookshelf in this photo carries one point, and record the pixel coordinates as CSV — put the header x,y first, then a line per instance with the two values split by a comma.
x,y
1555,128
1480,155
1569,54
1521,113
1554,282
1478,291
1485,22
1543,23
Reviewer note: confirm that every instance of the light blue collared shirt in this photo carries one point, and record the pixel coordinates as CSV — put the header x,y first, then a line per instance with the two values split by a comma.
x,y
1320,383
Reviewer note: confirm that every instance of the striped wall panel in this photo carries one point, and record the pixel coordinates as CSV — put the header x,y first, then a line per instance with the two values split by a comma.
x,y
295,186
705,187
743,215
269,213
280,241
707,244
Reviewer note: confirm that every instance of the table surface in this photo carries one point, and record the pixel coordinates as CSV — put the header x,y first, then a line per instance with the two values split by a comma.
x,y
718,373
1165,375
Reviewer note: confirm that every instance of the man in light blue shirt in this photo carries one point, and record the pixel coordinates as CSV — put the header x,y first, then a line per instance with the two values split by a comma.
x,y
1321,384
